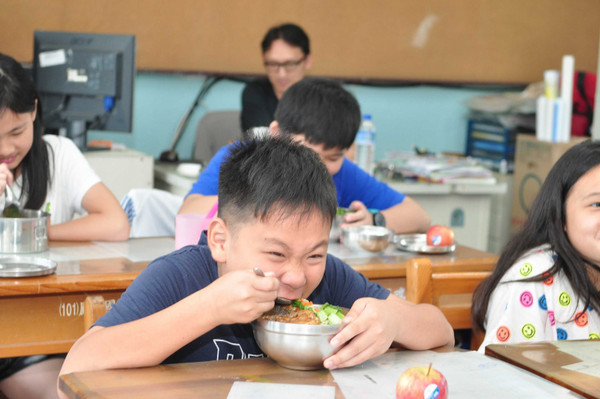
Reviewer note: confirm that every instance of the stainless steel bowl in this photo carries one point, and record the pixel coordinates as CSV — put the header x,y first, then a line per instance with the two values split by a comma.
x,y
25,234
369,238
334,234
295,346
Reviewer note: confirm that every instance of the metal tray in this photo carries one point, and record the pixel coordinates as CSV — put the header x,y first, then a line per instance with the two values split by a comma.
x,y
26,266
418,243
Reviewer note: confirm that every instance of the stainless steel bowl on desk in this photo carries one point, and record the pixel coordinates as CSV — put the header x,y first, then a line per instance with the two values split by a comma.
x,y
24,234
369,238
337,222
334,234
295,346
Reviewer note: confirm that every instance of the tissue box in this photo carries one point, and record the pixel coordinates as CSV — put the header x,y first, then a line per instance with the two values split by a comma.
x,y
533,161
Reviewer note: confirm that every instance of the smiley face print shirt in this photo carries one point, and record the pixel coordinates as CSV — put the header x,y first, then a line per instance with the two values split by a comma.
x,y
528,311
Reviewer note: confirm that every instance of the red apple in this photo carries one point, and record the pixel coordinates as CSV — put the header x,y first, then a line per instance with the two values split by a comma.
x,y
440,236
422,383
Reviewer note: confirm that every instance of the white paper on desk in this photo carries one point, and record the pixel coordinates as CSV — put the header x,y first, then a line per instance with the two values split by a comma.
x,y
141,249
265,390
589,354
469,375
146,249
82,252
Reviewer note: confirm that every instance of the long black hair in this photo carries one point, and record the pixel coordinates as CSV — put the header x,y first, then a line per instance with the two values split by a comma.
x,y
18,94
545,225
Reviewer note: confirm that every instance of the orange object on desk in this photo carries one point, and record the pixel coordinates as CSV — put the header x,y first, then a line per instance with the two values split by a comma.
x,y
107,144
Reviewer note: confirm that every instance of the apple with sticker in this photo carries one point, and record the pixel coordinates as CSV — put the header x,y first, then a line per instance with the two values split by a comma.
x,y
440,236
422,383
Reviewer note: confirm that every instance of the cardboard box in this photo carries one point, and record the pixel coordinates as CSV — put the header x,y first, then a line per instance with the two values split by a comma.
x,y
533,161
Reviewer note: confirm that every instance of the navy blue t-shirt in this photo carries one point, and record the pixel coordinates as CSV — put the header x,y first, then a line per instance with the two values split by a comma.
x,y
351,184
170,278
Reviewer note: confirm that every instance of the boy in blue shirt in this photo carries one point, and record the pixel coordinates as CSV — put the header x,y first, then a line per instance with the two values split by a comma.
x,y
276,205
323,116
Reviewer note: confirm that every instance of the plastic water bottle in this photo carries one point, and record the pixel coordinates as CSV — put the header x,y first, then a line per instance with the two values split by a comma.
x,y
365,145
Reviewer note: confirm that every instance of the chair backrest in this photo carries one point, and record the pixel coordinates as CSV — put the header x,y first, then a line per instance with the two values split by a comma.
x,y
151,212
450,291
215,130
94,308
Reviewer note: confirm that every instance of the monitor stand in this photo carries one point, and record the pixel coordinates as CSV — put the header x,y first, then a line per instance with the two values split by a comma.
x,y
77,131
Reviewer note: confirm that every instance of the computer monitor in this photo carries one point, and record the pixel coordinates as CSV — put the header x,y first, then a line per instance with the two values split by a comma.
x,y
85,81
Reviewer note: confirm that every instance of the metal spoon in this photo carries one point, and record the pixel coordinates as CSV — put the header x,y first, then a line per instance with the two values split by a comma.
x,y
278,300
11,206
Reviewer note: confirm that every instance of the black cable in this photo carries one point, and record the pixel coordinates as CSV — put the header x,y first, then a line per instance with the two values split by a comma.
x,y
99,122
63,104
171,155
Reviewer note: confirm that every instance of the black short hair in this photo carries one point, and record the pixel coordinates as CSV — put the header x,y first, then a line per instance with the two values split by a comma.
x,y
322,110
292,34
267,177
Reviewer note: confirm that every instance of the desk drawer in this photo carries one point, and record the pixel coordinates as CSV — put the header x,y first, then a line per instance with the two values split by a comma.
x,y
43,324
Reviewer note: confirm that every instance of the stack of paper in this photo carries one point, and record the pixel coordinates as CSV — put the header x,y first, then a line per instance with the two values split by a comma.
x,y
444,169
469,375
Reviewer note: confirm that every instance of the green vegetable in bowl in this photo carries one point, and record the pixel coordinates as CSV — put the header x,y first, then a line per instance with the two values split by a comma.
x,y
344,211
11,211
328,314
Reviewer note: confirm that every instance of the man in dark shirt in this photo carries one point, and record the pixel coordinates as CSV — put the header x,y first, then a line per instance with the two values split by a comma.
x,y
286,57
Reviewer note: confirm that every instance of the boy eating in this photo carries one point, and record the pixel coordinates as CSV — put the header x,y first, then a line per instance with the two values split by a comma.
x,y
276,205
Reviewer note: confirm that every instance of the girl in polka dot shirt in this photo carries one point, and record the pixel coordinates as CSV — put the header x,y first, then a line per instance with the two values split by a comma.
x,y
546,284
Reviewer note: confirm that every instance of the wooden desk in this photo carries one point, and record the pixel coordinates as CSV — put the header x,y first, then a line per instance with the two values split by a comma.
x,y
42,315
548,360
186,380
469,375
389,270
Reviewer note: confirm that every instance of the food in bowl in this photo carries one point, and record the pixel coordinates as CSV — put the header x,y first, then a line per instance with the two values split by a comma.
x,y
11,211
374,246
302,311
344,211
